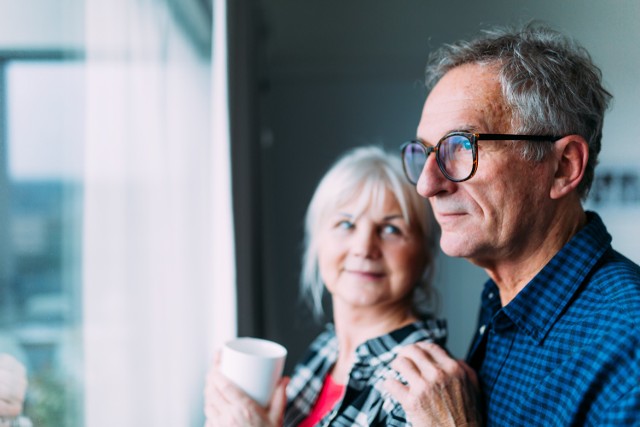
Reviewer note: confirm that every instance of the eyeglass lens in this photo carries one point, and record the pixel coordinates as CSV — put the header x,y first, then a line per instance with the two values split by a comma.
x,y
454,157
414,157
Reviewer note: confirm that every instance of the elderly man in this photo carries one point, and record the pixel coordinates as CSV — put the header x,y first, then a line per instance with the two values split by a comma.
x,y
506,149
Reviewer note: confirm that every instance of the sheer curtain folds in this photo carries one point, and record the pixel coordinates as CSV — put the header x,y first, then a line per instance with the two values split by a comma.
x,y
158,243
223,318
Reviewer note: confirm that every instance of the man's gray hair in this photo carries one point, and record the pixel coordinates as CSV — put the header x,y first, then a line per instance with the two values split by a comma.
x,y
363,176
549,83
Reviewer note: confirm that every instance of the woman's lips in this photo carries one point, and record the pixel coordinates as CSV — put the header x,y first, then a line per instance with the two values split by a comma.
x,y
364,273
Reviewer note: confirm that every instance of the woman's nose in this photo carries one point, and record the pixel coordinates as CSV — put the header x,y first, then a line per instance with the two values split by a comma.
x,y
365,243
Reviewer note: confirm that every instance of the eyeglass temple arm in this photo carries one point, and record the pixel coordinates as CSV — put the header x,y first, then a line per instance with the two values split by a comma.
x,y
513,137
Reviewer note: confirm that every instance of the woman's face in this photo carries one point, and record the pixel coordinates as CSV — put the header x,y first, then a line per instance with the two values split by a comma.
x,y
370,259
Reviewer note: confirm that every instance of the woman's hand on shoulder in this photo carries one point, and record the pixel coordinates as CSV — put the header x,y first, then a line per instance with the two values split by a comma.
x,y
441,391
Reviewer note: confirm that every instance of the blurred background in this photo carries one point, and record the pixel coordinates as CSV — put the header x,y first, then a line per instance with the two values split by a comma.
x,y
157,158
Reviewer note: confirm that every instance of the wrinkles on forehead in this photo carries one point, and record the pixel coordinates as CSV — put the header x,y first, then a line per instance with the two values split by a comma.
x,y
486,95
469,98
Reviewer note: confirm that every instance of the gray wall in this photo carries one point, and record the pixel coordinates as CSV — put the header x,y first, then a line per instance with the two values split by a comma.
x,y
338,74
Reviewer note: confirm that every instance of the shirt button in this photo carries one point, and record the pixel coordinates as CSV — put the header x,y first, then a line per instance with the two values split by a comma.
x,y
482,328
491,295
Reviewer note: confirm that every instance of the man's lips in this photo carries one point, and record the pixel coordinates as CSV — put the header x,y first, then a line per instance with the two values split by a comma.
x,y
449,214
445,218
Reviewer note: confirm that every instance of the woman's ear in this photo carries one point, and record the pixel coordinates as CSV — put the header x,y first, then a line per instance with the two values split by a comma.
x,y
571,155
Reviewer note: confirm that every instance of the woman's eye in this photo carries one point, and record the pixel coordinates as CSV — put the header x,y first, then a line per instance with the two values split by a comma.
x,y
345,225
389,229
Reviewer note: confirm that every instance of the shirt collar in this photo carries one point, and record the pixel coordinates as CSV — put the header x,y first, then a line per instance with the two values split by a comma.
x,y
537,307
385,347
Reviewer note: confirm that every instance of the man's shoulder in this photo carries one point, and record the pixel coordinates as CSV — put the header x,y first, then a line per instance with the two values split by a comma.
x,y
616,274
617,279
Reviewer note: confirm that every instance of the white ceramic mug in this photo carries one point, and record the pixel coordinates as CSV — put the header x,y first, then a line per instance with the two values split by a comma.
x,y
255,365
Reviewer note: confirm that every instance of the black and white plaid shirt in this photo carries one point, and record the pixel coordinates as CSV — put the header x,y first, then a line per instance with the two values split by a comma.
x,y
364,402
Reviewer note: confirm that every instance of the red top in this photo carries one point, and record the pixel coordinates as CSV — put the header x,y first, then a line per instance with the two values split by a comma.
x,y
329,395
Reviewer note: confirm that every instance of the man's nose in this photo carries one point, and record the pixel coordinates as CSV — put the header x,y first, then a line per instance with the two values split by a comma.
x,y
431,181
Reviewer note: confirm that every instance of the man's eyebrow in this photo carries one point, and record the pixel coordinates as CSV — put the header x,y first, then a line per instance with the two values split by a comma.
x,y
466,129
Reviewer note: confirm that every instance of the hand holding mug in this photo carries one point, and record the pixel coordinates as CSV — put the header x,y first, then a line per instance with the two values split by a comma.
x,y
244,386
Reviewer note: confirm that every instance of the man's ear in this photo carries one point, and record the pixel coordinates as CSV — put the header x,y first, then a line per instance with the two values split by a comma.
x,y
571,155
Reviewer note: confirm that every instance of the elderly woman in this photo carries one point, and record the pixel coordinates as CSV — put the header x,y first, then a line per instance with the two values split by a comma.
x,y
369,243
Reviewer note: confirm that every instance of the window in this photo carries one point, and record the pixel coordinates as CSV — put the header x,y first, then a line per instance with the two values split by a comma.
x,y
108,211
41,216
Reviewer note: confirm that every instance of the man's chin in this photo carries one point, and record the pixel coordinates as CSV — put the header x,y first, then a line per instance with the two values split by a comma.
x,y
455,246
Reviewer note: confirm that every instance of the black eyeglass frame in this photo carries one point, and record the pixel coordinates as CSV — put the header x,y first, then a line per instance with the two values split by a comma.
x,y
473,138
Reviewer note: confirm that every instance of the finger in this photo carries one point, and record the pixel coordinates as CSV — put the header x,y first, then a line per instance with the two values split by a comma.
x,y
471,374
212,382
412,401
420,361
437,363
228,405
210,398
232,392
436,353
278,402
408,369
224,395
215,396
429,365
222,409
410,349
396,389
211,412
417,353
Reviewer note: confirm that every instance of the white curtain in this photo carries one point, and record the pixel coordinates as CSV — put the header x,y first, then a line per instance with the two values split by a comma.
x,y
223,318
158,260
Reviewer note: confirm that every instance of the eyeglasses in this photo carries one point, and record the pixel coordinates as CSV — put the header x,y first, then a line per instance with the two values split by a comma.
x,y
456,153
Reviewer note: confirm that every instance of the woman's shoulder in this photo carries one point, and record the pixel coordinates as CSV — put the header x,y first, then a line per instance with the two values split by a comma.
x,y
323,350
426,329
327,337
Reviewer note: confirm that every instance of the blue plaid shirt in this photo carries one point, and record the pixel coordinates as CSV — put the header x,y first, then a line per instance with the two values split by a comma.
x,y
566,350
364,402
